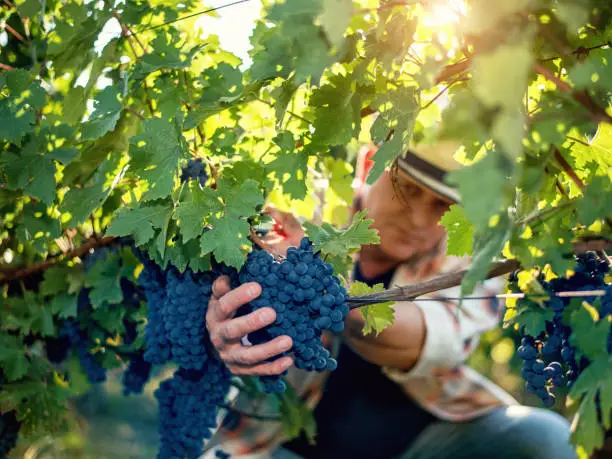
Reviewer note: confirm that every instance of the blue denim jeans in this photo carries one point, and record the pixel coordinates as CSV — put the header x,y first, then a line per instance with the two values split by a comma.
x,y
514,432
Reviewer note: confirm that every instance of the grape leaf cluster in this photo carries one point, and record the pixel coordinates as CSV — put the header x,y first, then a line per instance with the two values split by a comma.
x,y
550,360
307,298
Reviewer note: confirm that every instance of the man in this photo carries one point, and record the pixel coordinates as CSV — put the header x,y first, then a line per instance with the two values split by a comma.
x,y
404,393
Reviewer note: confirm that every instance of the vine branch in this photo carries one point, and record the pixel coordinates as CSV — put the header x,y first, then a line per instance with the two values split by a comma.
x,y
410,292
598,114
21,273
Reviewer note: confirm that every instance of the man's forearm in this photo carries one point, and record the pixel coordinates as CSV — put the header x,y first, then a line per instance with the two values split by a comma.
x,y
398,346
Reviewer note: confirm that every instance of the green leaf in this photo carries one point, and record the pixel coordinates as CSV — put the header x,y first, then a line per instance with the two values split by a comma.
x,y
486,247
589,335
64,305
384,156
81,202
500,77
596,69
139,223
111,319
13,361
332,241
290,166
190,213
586,430
336,120
597,150
596,203
459,230
156,153
377,316
335,19
594,376
107,111
103,279
54,280
241,200
532,318
228,234
481,186
32,171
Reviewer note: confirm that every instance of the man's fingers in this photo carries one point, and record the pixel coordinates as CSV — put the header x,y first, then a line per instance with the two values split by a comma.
x,y
221,286
254,355
276,367
227,304
235,329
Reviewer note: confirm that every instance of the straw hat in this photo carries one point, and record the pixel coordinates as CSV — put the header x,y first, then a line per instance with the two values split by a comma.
x,y
429,164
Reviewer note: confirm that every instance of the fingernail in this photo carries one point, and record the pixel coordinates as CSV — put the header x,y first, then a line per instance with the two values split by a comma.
x,y
252,290
266,315
284,343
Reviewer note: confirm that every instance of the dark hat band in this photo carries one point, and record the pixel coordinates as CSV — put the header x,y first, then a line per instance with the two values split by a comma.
x,y
428,175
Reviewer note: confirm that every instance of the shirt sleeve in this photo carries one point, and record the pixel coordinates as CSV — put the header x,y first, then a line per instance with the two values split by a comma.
x,y
453,332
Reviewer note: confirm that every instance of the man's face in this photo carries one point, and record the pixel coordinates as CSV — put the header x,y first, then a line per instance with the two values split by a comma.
x,y
405,214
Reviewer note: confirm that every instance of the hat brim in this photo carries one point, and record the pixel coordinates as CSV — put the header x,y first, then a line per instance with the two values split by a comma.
x,y
428,175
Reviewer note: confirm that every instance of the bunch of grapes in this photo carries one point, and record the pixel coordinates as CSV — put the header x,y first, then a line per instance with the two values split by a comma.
x,y
302,289
188,407
136,375
9,431
194,170
76,338
307,298
549,360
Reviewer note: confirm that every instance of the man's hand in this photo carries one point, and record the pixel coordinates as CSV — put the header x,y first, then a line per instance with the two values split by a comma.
x,y
226,332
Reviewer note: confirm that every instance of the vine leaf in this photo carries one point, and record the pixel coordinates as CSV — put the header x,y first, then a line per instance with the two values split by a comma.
x,y
230,230
190,213
13,361
226,237
532,319
596,203
156,153
459,230
335,19
332,241
32,171
107,112
594,381
589,334
486,174
377,316
103,278
81,202
290,166
139,223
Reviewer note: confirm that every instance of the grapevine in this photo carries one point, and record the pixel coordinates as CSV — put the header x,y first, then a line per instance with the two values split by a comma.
x,y
137,159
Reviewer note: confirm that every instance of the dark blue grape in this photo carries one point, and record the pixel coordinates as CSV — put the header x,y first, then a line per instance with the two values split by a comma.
x,y
136,376
188,407
9,431
550,359
194,170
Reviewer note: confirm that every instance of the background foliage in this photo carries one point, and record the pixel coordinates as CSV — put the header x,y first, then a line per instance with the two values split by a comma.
x,y
95,125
